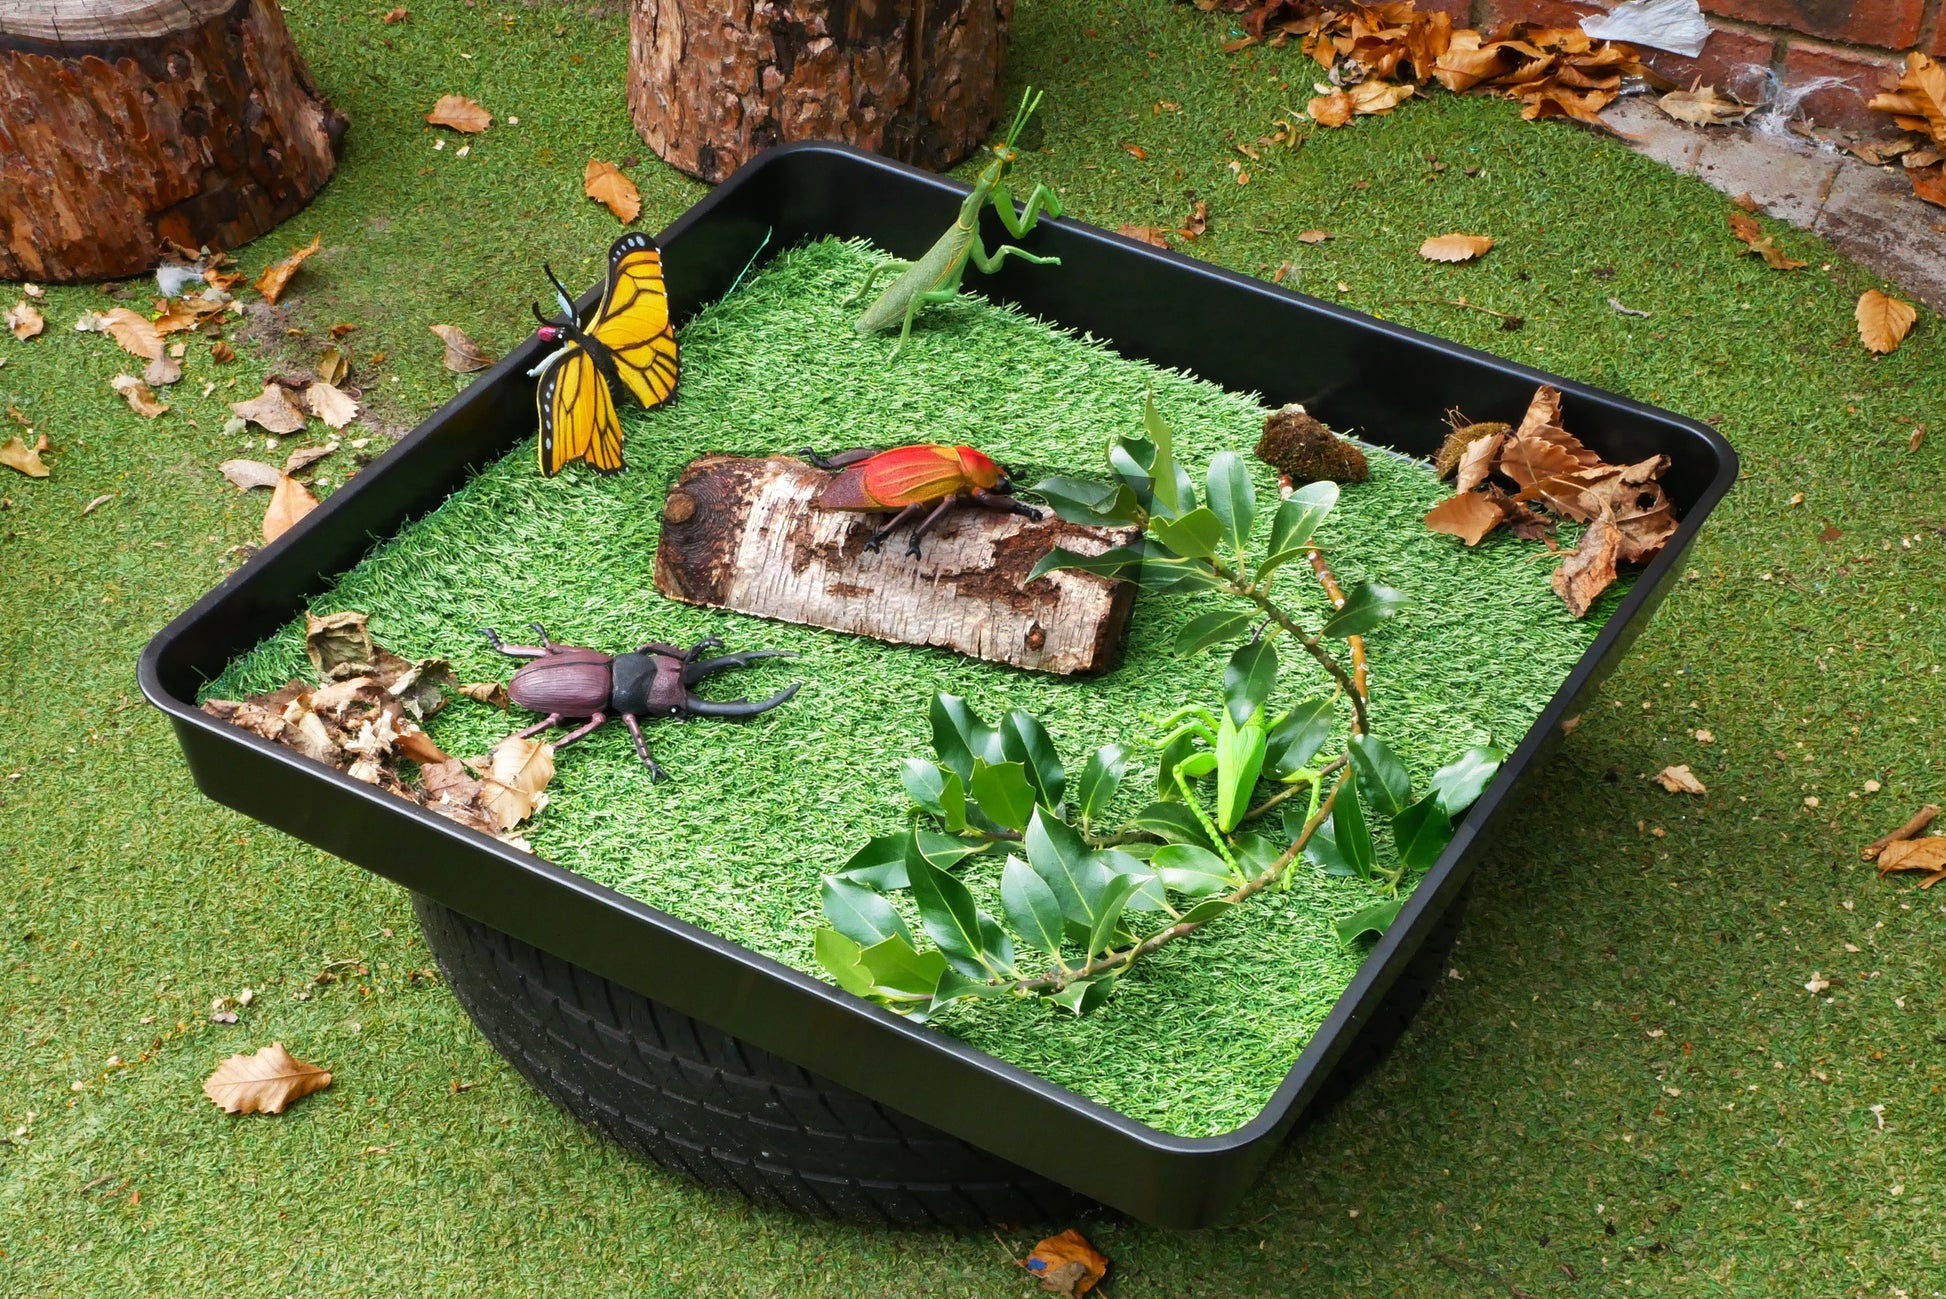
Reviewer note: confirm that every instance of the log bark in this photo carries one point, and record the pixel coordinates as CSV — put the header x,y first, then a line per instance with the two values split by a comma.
x,y
742,534
130,125
712,83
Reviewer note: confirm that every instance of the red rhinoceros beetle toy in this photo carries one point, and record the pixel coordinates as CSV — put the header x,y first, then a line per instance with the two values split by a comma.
x,y
908,480
567,681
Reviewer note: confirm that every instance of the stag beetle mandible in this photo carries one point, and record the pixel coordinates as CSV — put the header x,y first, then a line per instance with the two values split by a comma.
x,y
571,681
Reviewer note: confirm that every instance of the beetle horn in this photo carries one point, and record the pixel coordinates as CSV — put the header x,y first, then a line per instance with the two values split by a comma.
x,y
739,707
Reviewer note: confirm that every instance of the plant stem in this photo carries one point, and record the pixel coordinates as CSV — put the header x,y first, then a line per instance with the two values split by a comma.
x,y
1116,962
1337,594
1313,646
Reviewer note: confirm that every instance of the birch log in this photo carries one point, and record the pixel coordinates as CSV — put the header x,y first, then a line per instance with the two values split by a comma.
x,y
742,534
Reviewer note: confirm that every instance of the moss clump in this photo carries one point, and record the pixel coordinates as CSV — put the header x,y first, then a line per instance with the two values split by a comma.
x,y
1296,444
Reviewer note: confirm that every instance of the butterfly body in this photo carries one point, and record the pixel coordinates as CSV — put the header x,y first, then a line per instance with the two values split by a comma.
x,y
627,346
911,480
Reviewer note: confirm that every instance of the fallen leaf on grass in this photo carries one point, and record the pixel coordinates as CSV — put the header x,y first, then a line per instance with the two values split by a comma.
x,y
136,335
1703,107
1154,236
271,409
290,502
1928,854
460,113
278,275
305,457
1918,822
247,474
329,404
1067,1264
1334,109
1476,461
396,16
96,504
418,746
1817,983
1745,227
163,371
1136,152
1454,247
17,455
263,1083
1680,780
332,366
140,397
463,355
1615,304
1469,516
1313,236
492,693
1883,321
24,321
517,773
339,644
1589,571
221,352
604,183
1198,221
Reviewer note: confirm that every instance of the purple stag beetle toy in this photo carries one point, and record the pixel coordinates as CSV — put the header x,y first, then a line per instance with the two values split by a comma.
x,y
571,681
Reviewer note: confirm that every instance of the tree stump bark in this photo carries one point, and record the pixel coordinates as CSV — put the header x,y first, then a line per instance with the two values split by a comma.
x,y
130,125
742,534
712,83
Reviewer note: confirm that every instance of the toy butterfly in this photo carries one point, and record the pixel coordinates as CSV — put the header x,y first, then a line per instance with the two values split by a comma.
x,y
629,345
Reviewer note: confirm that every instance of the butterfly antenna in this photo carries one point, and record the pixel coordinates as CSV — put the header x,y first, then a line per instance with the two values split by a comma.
x,y
560,292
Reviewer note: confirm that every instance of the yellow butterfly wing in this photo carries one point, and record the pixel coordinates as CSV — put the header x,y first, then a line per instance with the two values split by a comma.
x,y
633,320
578,419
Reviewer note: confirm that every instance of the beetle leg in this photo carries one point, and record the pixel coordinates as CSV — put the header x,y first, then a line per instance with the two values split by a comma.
x,y
708,642
926,525
736,707
511,651
660,647
546,644
911,511
580,731
696,671
1004,504
642,747
833,463
552,719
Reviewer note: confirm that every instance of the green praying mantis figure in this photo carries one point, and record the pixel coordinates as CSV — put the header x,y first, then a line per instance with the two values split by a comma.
x,y
936,276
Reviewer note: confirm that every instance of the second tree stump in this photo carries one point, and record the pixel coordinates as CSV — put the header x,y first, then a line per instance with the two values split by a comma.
x,y
712,83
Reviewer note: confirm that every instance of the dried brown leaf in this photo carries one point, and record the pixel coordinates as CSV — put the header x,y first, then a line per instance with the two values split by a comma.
x,y
139,396
163,371
1198,221
1476,462
1066,1264
135,334
277,276
463,355
290,502
330,404
271,409
1370,98
24,321
486,692
221,352
1928,854
339,645
1745,227
1680,780
604,183
1454,247
418,746
263,1083
247,474
305,457
460,113
1703,107
1590,570
1469,516
517,773
1883,321
1313,236
18,456
1155,236
332,366
1334,109
398,15
1929,183
1916,823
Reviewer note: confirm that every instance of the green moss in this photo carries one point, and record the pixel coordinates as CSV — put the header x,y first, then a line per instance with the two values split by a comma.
x,y
736,842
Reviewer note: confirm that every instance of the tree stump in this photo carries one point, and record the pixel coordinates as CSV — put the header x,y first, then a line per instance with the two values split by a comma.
x,y
712,83
742,534
130,125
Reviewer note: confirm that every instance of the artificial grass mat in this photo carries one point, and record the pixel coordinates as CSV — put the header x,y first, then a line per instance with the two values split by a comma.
x,y
1199,1037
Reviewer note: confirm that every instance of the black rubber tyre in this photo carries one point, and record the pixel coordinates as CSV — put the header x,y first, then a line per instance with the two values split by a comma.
x,y
698,1101
701,1102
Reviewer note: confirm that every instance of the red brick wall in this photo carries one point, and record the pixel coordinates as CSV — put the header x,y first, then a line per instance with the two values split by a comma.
x,y
1857,40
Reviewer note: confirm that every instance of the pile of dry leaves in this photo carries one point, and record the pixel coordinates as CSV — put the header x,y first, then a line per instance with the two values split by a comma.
x,y
1504,472
365,720
1918,104
1378,54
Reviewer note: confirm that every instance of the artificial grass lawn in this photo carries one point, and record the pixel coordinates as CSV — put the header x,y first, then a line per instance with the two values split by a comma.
x,y
1199,1038
1629,1090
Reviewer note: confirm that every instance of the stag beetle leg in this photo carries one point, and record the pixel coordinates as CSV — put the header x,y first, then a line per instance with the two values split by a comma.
x,y
926,525
511,651
707,643
736,707
546,644
906,515
578,732
696,671
552,719
642,748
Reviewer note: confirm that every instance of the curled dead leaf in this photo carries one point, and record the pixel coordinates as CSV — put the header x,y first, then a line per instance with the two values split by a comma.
x,y
247,474
139,396
163,371
1470,516
1333,110
18,456
1455,247
264,1082
332,366
24,321
1198,221
277,276
290,502
1680,780
463,355
492,693
330,404
604,183
461,114
1883,321
1927,854
1703,106
1313,236
221,352
1066,1264
1154,236
339,644
1745,227
517,775
1590,570
271,409
305,457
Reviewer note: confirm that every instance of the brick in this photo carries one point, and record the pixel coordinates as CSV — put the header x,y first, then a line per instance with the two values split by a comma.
x,y
1496,14
1840,106
1731,61
1462,10
1889,24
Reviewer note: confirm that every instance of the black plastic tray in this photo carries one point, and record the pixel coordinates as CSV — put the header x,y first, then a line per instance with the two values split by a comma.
x,y
1389,384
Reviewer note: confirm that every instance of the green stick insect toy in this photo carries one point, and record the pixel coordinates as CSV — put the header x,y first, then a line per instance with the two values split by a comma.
x,y
936,276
